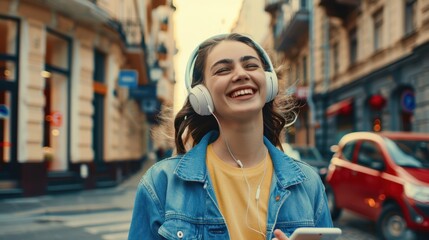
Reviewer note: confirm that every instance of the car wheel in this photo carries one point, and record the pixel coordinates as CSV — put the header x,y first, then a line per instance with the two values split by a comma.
x,y
392,225
333,208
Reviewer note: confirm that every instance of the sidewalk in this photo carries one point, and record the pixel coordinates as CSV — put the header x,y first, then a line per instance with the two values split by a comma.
x,y
120,197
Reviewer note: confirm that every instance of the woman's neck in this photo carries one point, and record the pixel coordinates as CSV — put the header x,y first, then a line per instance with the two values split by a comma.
x,y
245,142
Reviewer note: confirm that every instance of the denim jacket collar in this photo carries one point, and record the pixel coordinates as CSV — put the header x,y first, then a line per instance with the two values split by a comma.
x,y
192,165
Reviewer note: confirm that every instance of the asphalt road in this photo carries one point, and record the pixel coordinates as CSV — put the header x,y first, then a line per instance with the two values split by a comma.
x,y
355,227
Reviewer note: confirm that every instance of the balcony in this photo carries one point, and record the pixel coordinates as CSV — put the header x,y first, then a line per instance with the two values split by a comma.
x,y
339,8
79,10
273,5
294,32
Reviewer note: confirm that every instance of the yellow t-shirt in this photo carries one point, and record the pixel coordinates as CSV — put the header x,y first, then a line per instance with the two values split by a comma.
x,y
233,196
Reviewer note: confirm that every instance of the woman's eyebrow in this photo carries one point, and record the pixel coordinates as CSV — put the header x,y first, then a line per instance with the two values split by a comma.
x,y
229,61
247,57
222,61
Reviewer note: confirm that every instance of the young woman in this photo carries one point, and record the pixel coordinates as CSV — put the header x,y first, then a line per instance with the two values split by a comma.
x,y
234,182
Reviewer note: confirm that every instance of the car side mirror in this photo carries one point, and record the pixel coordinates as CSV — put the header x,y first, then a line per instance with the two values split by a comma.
x,y
334,148
377,165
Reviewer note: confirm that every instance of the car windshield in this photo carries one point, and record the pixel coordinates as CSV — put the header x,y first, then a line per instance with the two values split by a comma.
x,y
309,154
409,153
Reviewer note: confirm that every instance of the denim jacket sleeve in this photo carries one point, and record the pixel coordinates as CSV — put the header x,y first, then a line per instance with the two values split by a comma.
x,y
316,191
323,216
147,214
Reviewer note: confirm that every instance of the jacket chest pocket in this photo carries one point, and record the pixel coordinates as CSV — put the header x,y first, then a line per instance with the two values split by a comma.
x,y
180,229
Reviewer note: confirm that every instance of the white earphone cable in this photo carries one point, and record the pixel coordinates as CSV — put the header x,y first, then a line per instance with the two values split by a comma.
x,y
258,190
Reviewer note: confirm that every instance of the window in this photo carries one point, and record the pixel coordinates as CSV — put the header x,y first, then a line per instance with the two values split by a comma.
x,y
304,71
9,68
409,152
378,29
5,126
303,4
99,66
368,154
410,16
336,63
348,150
278,27
100,90
8,50
353,45
57,101
297,72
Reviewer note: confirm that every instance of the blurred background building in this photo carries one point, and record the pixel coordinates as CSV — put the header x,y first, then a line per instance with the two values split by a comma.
x,y
81,83
354,65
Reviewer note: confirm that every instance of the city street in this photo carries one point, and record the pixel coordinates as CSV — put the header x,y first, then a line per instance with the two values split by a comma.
x,y
90,89
103,214
85,215
355,227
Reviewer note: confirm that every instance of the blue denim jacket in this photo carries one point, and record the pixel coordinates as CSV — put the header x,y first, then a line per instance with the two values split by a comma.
x,y
176,200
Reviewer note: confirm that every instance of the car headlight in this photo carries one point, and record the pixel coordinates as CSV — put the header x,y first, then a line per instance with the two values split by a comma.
x,y
416,192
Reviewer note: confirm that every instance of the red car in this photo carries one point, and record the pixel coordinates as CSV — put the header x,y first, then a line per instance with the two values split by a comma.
x,y
383,177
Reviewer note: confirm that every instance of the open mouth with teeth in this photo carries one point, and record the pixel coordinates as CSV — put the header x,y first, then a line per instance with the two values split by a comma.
x,y
242,92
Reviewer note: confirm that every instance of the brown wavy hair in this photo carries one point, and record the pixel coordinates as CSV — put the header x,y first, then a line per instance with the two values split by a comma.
x,y
190,127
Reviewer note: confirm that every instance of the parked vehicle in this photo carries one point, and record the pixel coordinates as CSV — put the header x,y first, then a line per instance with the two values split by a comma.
x,y
309,155
383,177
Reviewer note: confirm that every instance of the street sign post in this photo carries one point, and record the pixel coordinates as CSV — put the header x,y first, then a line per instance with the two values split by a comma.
x,y
128,78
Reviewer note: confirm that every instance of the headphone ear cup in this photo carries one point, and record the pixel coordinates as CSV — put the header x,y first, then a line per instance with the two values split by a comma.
x,y
201,100
272,86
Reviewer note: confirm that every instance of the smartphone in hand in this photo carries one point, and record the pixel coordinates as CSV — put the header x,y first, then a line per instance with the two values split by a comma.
x,y
314,233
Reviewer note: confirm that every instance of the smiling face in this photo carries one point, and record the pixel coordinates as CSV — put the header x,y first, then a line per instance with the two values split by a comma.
x,y
235,78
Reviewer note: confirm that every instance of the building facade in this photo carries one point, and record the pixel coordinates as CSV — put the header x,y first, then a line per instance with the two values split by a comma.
x,y
252,21
290,24
366,61
161,39
69,119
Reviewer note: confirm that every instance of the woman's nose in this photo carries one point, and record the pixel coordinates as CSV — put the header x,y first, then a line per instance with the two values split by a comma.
x,y
240,74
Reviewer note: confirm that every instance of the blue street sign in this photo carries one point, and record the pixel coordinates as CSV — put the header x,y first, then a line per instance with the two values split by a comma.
x,y
128,78
408,101
4,111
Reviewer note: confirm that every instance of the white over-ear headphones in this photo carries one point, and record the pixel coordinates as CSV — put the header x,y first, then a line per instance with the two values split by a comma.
x,y
199,96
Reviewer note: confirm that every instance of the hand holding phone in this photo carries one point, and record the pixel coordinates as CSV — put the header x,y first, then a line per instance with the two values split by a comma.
x,y
314,233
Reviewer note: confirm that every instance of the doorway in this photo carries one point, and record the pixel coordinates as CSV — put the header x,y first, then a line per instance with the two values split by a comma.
x,y
57,104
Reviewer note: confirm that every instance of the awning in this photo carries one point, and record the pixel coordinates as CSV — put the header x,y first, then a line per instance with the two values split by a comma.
x,y
136,60
343,107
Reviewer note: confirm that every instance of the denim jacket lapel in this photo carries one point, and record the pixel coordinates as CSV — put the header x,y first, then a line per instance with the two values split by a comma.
x,y
192,165
287,171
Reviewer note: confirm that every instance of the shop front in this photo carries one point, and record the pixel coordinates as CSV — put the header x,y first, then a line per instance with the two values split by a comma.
x,y
9,80
343,113
393,98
